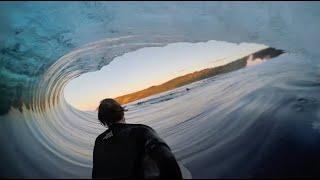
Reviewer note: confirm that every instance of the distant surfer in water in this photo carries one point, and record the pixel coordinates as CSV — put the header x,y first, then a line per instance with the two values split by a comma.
x,y
130,150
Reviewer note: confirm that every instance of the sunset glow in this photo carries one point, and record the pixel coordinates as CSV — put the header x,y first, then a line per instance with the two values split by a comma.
x,y
140,69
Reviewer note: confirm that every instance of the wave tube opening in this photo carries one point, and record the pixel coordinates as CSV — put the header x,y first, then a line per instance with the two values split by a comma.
x,y
140,70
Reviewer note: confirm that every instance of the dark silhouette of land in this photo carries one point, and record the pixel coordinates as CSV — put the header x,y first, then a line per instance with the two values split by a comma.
x,y
197,75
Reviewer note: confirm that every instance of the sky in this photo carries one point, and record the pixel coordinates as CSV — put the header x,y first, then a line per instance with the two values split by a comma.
x,y
150,66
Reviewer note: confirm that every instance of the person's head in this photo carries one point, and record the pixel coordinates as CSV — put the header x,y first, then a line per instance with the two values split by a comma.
x,y
110,111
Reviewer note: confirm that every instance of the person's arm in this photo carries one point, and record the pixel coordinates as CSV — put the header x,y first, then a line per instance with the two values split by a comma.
x,y
160,152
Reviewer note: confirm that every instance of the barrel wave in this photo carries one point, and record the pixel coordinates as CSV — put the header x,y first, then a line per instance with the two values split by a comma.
x,y
260,121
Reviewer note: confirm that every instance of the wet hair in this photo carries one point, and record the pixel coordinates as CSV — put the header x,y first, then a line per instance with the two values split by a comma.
x,y
110,111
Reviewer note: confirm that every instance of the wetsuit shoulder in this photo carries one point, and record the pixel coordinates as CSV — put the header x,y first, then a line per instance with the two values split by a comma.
x,y
142,127
102,135
139,128
150,137
146,135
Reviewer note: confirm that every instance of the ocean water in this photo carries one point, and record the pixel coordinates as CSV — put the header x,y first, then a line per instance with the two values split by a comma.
x,y
259,121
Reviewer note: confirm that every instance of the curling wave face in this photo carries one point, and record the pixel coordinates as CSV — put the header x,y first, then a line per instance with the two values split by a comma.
x,y
257,121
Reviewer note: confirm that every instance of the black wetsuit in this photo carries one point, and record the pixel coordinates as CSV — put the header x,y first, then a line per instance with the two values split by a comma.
x,y
133,151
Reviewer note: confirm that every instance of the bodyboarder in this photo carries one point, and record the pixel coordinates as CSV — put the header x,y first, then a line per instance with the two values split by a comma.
x,y
130,150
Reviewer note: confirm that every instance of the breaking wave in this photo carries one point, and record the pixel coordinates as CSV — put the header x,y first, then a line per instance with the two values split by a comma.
x,y
260,121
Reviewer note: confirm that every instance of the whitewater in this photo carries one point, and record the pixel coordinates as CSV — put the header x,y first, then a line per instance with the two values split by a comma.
x,y
259,121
